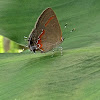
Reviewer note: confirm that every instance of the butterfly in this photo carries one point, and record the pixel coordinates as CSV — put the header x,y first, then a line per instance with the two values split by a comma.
x,y
46,34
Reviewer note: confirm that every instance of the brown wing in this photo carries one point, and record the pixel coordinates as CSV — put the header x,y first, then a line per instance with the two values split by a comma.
x,y
49,23
47,33
40,24
44,18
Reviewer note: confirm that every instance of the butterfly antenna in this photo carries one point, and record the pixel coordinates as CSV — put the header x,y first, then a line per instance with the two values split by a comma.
x,y
66,25
64,29
25,38
73,30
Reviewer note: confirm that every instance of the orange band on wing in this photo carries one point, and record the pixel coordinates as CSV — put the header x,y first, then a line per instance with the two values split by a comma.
x,y
39,44
49,20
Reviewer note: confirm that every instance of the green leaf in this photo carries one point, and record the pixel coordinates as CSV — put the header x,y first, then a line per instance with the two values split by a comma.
x,y
75,75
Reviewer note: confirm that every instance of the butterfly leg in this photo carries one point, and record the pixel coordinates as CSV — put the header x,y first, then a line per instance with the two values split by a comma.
x,y
61,50
52,53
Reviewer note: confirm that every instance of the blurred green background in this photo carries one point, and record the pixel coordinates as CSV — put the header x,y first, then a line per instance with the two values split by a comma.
x,y
73,76
9,46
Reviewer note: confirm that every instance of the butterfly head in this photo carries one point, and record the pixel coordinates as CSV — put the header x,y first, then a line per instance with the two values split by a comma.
x,y
32,45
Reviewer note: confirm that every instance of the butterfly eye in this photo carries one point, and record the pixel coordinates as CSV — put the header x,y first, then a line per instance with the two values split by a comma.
x,y
31,42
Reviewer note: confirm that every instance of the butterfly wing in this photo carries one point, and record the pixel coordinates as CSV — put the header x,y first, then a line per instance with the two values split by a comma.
x,y
49,30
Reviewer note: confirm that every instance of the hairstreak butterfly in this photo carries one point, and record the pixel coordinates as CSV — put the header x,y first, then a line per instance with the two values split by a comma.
x,y
47,32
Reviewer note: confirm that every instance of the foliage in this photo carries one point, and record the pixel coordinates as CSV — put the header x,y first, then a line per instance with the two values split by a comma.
x,y
73,76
